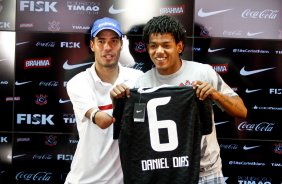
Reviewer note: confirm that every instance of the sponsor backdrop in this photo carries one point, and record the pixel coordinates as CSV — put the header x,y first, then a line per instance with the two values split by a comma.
x,y
44,43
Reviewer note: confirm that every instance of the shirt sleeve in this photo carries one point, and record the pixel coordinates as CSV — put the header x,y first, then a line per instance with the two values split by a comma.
x,y
81,97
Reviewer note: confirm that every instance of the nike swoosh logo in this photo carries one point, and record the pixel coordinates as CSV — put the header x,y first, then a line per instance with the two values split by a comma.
x,y
215,50
251,91
66,66
112,10
63,101
249,147
22,83
253,34
223,122
201,13
9,156
138,111
21,43
245,73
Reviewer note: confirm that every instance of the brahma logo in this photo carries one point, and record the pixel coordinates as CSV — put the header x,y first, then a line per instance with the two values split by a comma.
x,y
172,10
37,63
220,68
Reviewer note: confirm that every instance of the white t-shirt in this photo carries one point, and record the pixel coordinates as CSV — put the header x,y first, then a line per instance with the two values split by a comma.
x,y
188,73
96,159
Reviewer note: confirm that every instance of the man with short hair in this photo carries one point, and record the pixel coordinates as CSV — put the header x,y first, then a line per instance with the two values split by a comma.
x,y
96,159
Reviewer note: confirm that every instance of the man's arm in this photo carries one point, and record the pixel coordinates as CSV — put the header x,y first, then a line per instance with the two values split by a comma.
x,y
100,118
233,105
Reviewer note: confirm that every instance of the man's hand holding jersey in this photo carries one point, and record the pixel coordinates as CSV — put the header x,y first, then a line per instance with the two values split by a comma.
x,y
119,91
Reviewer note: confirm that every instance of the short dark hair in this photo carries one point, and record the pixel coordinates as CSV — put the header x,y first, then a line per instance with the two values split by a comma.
x,y
164,24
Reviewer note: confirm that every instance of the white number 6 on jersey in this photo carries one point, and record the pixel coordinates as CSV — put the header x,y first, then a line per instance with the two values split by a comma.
x,y
155,125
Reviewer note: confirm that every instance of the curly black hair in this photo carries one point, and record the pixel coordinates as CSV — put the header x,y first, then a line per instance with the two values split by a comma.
x,y
164,24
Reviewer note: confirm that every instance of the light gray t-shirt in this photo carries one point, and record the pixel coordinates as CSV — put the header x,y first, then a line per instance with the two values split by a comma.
x,y
188,73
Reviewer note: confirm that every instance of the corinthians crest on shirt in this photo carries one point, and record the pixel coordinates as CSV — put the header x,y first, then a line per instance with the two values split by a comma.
x,y
41,99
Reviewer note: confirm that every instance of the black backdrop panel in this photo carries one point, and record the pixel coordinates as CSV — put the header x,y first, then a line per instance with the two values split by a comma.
x,y
44,63
47,43
31,15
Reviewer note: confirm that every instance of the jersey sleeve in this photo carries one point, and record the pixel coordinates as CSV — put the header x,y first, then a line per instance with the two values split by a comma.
x,y
205,115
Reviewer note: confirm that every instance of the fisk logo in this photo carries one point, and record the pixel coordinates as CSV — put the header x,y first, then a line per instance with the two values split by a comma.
x,y
5,25
275,91
70,44
3,139
64,157
38,6
35,119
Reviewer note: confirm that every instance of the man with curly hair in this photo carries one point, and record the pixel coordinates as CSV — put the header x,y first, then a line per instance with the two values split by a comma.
x,y
165,38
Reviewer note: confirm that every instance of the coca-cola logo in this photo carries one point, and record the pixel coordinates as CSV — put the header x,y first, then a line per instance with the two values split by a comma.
x,y
39,176
229,146
264,14
42,157
261,127
49,83
45,44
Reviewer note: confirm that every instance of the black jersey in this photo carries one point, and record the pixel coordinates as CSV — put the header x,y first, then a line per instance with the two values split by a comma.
x,y
160,135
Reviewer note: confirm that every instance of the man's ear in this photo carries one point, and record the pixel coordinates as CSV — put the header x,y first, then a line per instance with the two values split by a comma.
x,y
180,47
121,42
92,45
